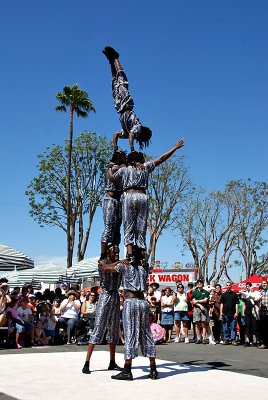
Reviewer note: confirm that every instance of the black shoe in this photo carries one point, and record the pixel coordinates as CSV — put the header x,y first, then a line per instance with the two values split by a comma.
x,y
247,344
198,342
114,367
153,375
204,341
123,376
86,369
110,53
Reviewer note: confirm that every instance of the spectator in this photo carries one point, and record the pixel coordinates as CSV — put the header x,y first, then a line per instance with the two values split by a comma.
x,y
83,295
4,300
252,313
32,305
228,314
167,317
56,308
189,289
88,311
69,308
24,292
215,303
210,322
200,303
48,295
241,319
157,292
150,294
154,310
58,294
49,320
39,297
30,289
40,338
22,316
264,316
181,313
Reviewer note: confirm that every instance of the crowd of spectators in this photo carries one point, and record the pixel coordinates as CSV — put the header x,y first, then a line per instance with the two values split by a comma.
x,y
214,315
211,315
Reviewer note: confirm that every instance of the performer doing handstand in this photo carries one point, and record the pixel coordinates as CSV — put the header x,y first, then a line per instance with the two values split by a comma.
x,y
124,104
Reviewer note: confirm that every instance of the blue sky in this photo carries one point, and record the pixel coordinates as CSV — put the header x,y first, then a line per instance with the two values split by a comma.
x,y
197,69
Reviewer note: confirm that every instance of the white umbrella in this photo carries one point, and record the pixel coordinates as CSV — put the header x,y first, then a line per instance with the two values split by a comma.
x,y
11,258
85,269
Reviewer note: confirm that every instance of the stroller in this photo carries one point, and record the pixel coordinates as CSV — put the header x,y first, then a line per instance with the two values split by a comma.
x,y
84,329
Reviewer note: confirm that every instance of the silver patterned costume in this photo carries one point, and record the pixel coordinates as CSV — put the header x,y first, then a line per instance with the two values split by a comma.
x,y
135,204
108,309
135,313
124,105
112,212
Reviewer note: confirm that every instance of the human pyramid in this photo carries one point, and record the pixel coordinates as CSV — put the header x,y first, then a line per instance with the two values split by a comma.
x,y
126,200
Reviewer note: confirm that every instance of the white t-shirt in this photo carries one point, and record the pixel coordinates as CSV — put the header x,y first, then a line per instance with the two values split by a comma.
x,y
70,311
167,300
24,313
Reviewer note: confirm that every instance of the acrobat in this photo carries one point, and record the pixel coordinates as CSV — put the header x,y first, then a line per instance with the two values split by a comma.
x,y
136,326
124,104
107,313
134,180
112,206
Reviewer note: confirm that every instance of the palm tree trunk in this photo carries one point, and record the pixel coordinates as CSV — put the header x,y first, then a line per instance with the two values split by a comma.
x,y
68,194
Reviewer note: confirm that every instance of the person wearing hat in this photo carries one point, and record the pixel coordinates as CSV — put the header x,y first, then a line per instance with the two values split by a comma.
x,y
136,326
69,309
107,317
157,292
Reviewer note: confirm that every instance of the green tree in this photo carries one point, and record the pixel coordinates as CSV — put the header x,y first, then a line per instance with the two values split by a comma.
x,y
218,226
167,185
78,103
205,224
47,194
251,200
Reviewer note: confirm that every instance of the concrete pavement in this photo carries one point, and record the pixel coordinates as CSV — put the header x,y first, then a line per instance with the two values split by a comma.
x,y
185,370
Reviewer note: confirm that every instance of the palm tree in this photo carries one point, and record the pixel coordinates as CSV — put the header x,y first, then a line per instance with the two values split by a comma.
x,y
78,102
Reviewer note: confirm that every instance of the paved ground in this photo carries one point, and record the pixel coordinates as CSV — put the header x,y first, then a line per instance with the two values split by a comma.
x,y
187,369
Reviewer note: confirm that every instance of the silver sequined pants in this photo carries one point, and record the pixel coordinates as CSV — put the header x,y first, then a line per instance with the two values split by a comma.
x,y
135,214
136,329
107,318
112,218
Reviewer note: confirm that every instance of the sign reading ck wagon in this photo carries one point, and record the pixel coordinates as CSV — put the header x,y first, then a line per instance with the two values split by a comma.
x,y
163,278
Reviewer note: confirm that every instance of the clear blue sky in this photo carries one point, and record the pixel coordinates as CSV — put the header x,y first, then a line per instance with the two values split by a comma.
x,y
197,69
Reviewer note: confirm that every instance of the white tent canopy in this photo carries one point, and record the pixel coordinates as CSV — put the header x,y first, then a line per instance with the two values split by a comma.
x,y
46,273
86,269
11,258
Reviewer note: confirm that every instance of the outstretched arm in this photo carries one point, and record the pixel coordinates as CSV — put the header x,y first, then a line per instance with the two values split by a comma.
x,y
169,153
104,267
